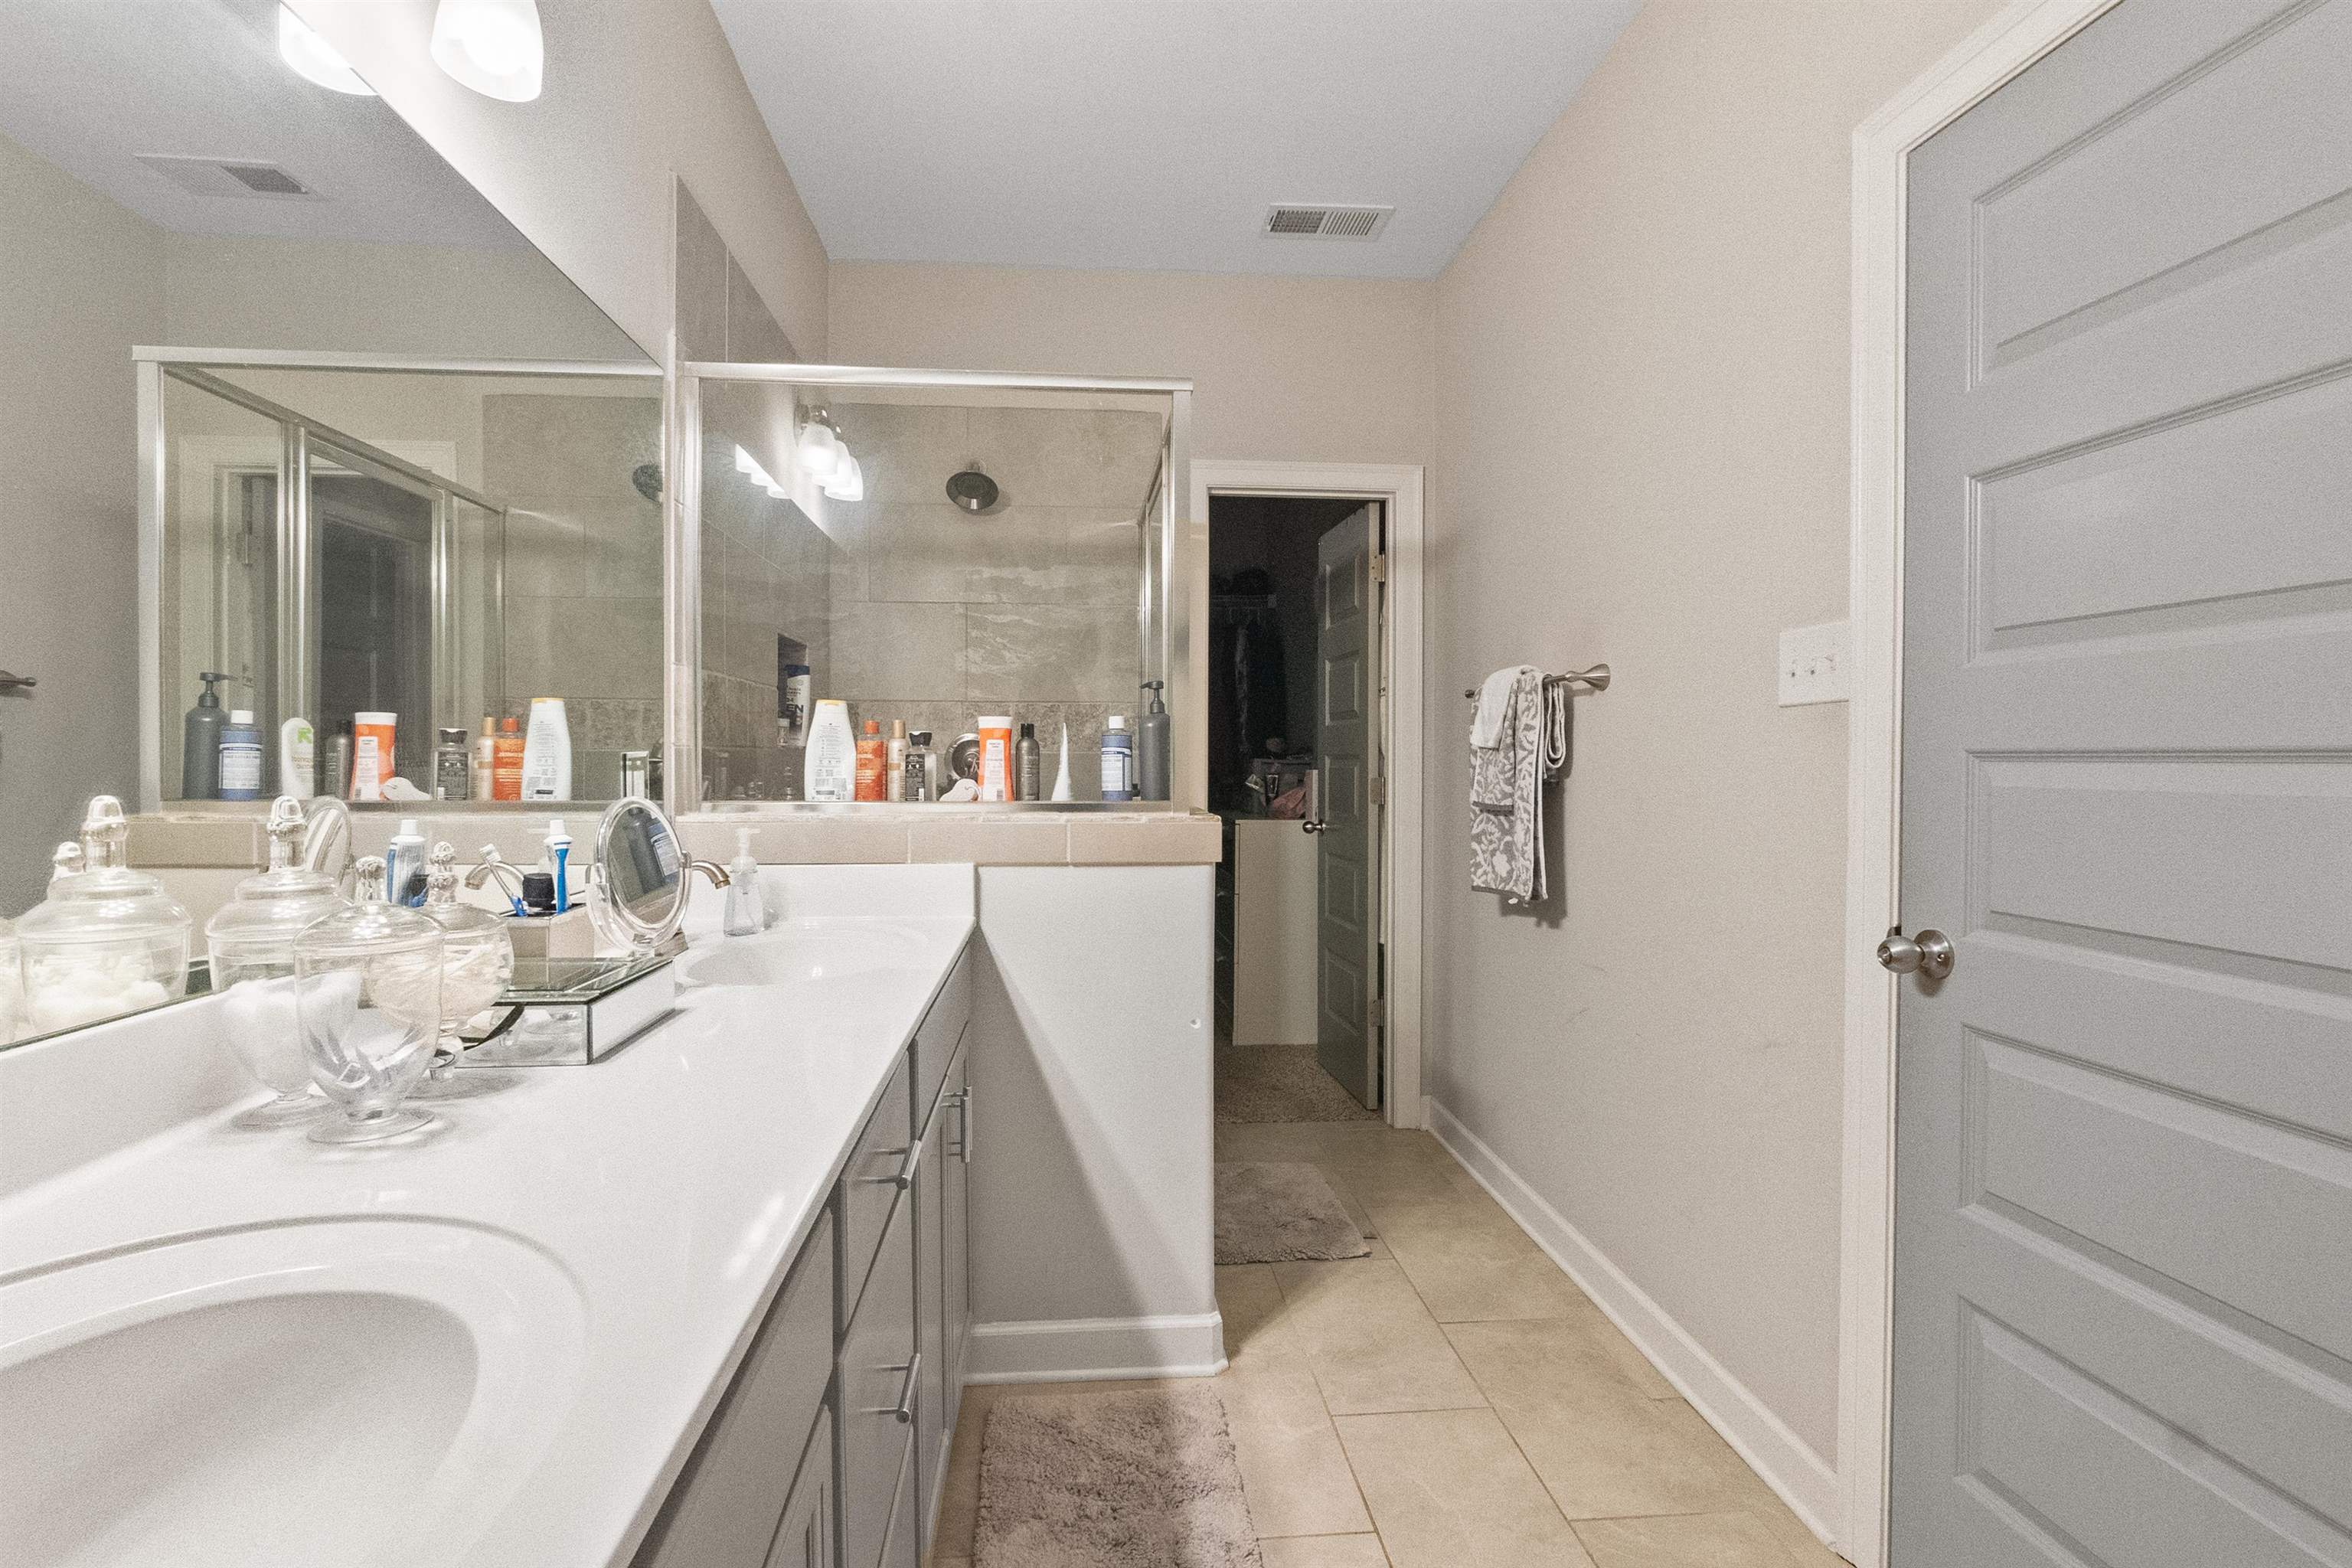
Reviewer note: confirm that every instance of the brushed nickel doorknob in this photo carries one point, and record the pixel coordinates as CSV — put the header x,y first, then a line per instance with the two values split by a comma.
x,y
1311,826
1928,955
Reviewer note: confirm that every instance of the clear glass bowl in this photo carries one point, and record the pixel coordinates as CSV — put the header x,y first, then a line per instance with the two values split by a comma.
x,y
368,1000
251,945
103,944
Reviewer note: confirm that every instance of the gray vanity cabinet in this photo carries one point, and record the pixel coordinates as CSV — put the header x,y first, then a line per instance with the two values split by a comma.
x,y
804,1540
943,1245
724,1509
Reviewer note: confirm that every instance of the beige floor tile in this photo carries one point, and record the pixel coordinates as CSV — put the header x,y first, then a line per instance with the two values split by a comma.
x,y
1734,1540
1449,1489
1293,1472
1471,1261
1324,1552
1250,1303
1794,1534
1603,1447
1373,1344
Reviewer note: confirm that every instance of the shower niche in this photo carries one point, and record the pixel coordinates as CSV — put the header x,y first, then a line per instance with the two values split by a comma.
x,y
334,536
928,548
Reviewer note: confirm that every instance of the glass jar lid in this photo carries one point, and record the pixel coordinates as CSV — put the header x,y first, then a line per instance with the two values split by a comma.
x,y
368,928
273,906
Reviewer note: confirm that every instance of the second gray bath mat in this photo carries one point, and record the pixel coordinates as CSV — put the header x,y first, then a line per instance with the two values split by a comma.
x,y
1281,1212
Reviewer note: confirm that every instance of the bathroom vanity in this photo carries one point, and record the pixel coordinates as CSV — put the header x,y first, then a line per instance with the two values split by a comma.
x,y
711,1300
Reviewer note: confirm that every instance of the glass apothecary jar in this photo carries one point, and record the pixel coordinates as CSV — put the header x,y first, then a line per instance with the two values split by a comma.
x,y
478,962
106,940
250,943
368,1000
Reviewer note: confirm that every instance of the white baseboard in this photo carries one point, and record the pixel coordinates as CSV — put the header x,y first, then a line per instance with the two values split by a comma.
x,y
1098,1349
1806,1482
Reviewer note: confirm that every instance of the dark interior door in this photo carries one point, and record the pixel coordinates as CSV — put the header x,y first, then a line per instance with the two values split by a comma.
x,y
374,545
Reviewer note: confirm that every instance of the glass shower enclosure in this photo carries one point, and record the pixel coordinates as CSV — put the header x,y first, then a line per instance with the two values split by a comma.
x,y
927,547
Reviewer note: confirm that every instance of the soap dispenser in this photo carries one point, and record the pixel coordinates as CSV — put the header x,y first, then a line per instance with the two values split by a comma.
x,y
200,742
746,910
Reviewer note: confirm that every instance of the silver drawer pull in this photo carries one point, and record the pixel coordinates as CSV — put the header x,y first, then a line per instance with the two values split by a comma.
x,y
904,1411
904,1176
962,1098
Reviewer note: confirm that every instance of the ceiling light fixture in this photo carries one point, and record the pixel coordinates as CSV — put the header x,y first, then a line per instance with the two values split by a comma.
x,y
848,481
491,45
819,450
314,59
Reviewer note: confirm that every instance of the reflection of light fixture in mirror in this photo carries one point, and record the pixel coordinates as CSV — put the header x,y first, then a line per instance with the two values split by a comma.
x,y
819,450
848,481
314,59
748,465
491,45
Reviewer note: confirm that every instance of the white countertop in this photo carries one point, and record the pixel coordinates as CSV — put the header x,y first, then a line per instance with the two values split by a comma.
x,y
672,1182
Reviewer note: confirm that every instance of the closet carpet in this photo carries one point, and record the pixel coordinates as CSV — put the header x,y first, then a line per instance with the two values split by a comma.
x,y
1280,1083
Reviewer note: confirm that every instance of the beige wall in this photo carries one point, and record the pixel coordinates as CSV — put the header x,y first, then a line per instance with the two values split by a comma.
x,y
1306,369
636,91
84,283
1641,458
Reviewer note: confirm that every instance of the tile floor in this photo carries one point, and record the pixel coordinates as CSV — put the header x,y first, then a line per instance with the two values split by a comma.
x,y
1452,1401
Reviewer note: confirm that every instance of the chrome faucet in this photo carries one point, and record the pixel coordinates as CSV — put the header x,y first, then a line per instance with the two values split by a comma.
x,y
493,865
712,869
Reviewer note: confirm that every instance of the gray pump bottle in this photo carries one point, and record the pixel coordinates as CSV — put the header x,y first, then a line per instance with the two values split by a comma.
x,y
200,742
1151,745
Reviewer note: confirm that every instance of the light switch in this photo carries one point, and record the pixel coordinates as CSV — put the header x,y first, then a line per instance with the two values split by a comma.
x,y
1813,662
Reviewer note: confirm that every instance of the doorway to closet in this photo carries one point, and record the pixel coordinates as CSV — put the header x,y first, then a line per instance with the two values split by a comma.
x,y
1301,597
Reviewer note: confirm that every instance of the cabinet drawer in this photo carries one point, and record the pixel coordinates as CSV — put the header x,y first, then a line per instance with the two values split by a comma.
x,y
878,1375
936,1038
723,1510
805,1537
901,1548
870,1186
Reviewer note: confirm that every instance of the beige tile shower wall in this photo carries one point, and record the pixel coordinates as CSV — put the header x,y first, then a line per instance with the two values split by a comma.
x,y
584,570
1029,609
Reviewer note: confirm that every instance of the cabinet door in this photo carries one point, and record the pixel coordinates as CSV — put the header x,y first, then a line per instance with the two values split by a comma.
x,y
901,1548
955,1231
805,1537
930,1409
878,1372
723,1510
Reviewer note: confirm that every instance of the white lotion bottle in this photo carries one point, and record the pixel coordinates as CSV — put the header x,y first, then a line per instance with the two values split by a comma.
x,y
298,759
547,752
829,769
747,912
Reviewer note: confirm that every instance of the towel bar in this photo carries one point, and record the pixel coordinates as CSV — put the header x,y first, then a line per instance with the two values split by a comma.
x,y
1595,680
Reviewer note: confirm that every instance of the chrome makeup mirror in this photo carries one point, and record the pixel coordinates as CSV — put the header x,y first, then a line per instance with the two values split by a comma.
x,y
637,889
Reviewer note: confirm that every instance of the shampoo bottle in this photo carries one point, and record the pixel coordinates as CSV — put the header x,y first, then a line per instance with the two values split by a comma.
x,y
871,759
506,767
1117,760
547,752
1151,746
894,774
828,772
200,739
298,759
486,760
1028,765
240,756
338,781
746,910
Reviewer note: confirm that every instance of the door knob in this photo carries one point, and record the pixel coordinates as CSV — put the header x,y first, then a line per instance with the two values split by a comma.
x,y
1311,826
1927,955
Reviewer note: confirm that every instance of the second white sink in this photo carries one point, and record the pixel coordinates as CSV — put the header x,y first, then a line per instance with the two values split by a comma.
x,y
800,950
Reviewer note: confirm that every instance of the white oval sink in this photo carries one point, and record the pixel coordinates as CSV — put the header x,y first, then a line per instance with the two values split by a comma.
x,y
796,952
341,1391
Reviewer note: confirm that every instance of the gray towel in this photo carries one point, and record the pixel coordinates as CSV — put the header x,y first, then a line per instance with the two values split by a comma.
x,y
1507,780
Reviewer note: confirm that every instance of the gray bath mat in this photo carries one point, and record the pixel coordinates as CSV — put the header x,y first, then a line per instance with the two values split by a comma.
x,y
1132,1480
1278,1212
1280,1083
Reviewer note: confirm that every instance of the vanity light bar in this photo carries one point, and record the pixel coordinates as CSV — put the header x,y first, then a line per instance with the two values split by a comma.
x,y
747,464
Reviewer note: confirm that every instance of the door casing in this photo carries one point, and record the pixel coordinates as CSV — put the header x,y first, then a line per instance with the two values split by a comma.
x,y
2007,45
1399,488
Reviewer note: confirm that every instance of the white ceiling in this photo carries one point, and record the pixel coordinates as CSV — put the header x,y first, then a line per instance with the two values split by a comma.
x,y
90,84
1155,134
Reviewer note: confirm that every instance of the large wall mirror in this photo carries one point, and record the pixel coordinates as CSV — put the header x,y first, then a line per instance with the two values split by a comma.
x,y
291,404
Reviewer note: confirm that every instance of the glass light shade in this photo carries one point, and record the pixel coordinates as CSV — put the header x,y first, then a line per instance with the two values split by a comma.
x,y
491,45
314,59
848,481
818,451
745,463
368,999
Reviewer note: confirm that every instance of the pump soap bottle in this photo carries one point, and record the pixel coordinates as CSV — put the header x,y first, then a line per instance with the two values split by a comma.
x,y
200,743
1151,746
746,910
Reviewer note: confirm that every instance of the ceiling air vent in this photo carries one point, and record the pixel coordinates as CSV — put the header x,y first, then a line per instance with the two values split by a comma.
x,y
225,176
1304,221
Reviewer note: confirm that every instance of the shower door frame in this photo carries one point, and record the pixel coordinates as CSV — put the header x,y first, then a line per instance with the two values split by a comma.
x,y
1167,649
302,437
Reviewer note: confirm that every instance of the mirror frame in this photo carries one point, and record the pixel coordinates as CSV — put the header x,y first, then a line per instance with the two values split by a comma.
x,y
606,907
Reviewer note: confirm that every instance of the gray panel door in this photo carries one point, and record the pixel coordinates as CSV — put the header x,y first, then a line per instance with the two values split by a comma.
x,y
1347,745
2124,1123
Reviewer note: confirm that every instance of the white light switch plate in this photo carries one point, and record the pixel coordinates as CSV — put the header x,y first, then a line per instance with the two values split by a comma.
x,y
1813,662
